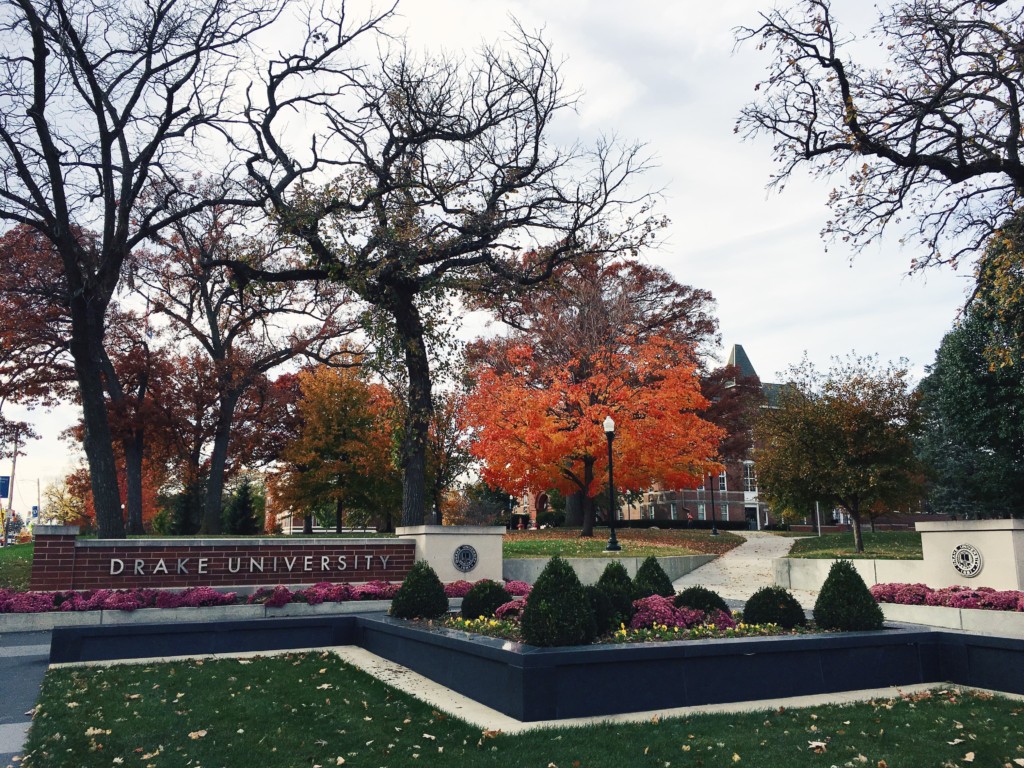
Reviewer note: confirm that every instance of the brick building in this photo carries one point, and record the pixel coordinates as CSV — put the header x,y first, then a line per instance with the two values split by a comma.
x,y
731,496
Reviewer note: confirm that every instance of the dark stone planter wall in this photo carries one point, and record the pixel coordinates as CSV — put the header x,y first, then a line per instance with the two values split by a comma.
x,y
551,683
61,561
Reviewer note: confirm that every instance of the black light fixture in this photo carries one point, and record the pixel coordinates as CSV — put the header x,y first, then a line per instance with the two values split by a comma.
x,y
613,543
714,519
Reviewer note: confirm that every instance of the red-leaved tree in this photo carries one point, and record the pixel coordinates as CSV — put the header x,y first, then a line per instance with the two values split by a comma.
x,y
538,425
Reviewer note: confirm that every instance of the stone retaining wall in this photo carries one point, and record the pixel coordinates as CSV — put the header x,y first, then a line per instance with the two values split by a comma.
x,y
993,623
589,569
809,574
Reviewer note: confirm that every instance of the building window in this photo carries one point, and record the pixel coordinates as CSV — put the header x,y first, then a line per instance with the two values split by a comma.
x,y
749,478
721,482
672,509
724,510
701,515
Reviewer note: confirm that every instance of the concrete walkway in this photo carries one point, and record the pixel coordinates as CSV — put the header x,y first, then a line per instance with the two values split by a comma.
x,y
23,660
742,571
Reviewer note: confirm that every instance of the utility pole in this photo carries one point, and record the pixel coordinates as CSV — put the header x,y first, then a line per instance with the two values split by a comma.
x,y
10,491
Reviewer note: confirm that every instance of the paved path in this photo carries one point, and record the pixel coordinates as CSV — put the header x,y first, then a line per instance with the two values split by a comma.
x,y
742,571
23,660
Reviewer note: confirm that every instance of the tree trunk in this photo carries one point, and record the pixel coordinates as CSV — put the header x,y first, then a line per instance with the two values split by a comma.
x,y
307,525
87,352
588,501
338,515
858,538
133,451
409,327
574,510
218,461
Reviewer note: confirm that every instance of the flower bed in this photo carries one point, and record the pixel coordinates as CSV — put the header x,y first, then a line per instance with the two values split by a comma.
x,y
656,619
983,598
199,597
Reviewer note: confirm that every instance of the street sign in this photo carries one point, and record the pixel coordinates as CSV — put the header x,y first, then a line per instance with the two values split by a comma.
x,y
5,486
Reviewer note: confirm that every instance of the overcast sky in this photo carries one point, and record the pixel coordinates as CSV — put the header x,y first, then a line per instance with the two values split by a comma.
x,y
666,74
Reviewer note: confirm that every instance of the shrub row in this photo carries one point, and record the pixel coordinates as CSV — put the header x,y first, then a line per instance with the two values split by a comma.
x,y
561,611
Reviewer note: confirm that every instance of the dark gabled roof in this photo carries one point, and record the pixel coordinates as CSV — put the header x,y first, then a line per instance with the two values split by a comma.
x,y
738,358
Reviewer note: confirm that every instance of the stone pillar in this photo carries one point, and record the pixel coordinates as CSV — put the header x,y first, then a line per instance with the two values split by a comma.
x,y
458,552
974,553
53,558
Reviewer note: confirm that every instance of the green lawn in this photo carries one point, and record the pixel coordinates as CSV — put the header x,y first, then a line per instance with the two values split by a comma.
x,y
314,710
883,545
634,542
16,566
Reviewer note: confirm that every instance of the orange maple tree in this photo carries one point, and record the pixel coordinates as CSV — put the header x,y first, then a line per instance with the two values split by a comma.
x,y
538,426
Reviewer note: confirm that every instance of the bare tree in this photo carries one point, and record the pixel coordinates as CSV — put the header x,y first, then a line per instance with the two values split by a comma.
x,y
431,177
246,329
97,102
930,137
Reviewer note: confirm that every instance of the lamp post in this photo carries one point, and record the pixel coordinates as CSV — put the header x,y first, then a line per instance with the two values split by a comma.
x,y
613,543
711,489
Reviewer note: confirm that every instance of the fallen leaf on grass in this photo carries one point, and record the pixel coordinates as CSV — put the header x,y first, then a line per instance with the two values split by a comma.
x,y
969,757
818,747
196,734
736,758
954,742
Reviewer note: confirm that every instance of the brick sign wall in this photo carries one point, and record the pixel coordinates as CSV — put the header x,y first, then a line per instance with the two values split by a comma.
x,y
62,561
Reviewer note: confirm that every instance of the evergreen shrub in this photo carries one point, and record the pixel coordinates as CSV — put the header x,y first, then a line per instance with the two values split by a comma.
x,y
702,599
651,579
774,605
483,599
602,609
618,589
558,611
421,595
845,603
243,514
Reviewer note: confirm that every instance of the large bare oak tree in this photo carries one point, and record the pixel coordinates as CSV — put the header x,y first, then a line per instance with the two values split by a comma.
x,y
918,120
97,102
423,177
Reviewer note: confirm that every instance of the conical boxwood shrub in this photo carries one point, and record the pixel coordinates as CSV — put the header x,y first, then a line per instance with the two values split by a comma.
x,y
558,609
701,599
774,605
845,603
421,595
605,618
651,579
618,588
483,599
